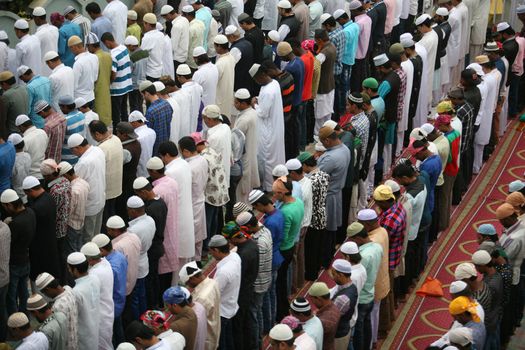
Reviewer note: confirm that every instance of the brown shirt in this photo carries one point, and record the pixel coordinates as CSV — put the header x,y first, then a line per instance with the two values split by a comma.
x,y
185,323
327,80
382,286
329,316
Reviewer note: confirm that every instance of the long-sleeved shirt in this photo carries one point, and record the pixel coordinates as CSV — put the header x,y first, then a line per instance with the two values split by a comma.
x,y
365,27
338,38
5,246
158,116
66,31
100,26
62,83
7,162
208,295
351,31
119,266
66,303
20,172
35,141
144,227
13,102
85,71
129,244
60,190
55,328
55,128
38,88
91,167
87,296
228,278
117,13
28,53
394,222
153,42
104,273
79,196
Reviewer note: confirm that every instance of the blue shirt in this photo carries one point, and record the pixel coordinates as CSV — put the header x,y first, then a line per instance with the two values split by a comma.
x,y
338,38
38,88
432,166
379,106
158,118
65,32
7,161
351,30
296,68
274,221
119,265
204,15
75,123
100,26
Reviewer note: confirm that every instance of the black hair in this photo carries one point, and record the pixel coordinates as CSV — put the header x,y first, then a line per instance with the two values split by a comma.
x,y
403,169
82,267
298,171
264,200
20,145
150,90
223,46
169,148
418,144
98,126
267,65
29,71
192,13
310,162
53,284
321,34
394,57
108,247
508,31
202,59
137,329
354,258
490,64
294,43
330,21
10,81
93,7
107,36
344,16
187,143
247,20
223,248
363,233
253,221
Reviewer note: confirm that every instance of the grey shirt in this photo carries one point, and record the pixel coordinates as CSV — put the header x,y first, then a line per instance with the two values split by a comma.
x,y
5,245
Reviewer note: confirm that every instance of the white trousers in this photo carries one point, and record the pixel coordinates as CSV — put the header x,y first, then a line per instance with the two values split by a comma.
x,y
387,159
478,158
374,320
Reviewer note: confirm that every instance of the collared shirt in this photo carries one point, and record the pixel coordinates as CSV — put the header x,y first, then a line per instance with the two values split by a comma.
x,y
361,124
34,341
208,295
13,103
329,316
79,195
114,156
371,254
29,53
85,71
293,213
117,13
55,129
60,190
513,242
219,139
158,116
139,59
351,30
465,113
338,38
365,28
87,296
144,227
180,30
55,328
207,76
35,141
342,302
119,266
314,328
5,250
38,88
103,25
122,67
129,244
67,304
394,221
91,167
153,42
62,83
21,167
228,277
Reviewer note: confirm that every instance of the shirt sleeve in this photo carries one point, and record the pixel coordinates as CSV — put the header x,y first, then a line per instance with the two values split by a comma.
x,y
236,53
283,30
384,89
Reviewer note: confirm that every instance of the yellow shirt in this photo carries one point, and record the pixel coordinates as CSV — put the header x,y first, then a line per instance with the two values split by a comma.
x,y
382,286
134,30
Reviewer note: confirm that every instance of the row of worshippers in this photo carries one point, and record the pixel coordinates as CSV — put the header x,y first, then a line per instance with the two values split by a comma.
x,y
486,310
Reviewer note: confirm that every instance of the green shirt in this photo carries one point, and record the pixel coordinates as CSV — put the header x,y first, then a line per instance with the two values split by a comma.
x,y
13,102
134,30
293,217
55,328
102,96
371,255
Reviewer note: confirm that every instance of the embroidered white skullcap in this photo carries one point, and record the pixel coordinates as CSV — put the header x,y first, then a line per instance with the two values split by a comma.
x,y
481,257
135,202
457,286
338,13
132,15
101,240
22,70
43,280
115,221
324,17
64,167
242,94
274,35
422,19
280,170
154,163
284,4
243,218
188,270
502,26
17,320
231,29
164,10
136,116
220,39
342,265
380,59
460,336
75,140
349,248
21,119
15,138
159,86
212,112
90,249
9,196
465,270
188,9
183,69
442,11
39,11
198,51
366,214
21,24
131,40
30,182
140,183
281,332
76,258
393,185
427,127
293,164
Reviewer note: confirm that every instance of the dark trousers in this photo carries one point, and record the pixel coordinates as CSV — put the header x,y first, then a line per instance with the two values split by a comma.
x,y
152,79
3,312
291,134
302,125
341,231
212,224
110,209
17,292
63,252
363,327
313,244
119,109
434,226
360,72
242,323
328,247
310,121
135,101
282,285
226,338
138,298
153,292
514,94
341,88
118,331
234,181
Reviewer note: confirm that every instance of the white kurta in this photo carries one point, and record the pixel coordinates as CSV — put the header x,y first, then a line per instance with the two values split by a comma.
x,y
85,71
224,96
28,53
194,91
270,129
153,42
480,21
207,76
48,36
429,41
103,272
271,15
87,296
167,58
180,33
454,41
179,170
484,117
492,81
465,29
422,109
247,122
175,119
199,178
146,138
35,143
178,127
408,68
219,139
117,13
62,83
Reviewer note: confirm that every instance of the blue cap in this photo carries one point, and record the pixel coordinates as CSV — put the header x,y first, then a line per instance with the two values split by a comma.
x,y
516,186
487,230
66,100
174,295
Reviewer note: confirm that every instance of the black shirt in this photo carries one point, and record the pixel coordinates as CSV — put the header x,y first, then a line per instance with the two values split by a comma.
x,y
23,227
249,254
256,37
158,211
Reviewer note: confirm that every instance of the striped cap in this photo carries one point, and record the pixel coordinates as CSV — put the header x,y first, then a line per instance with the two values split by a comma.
x,y
300,305
240,207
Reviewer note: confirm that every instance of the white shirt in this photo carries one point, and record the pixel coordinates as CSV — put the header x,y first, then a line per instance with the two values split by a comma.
x,y
117,13
224,93
161,345
48,36
144,227
146,137
28,53
454,41
306,189
429,41
207,76
89,116
194,90
237,8
175,340
358,279
91,167
153,42
62,83
34,341
228,277
85,70
112,148
104,273
180,38
35,143
408,68
4,54
220,140
178,128
167,58
87,296
304,342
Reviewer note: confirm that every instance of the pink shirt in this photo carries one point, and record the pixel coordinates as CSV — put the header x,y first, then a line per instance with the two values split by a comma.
x,y
168,189
390,13
129,245
365,26
517,66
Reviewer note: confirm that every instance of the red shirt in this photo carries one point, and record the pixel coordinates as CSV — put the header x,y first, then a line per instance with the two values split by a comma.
x,y
308,60
452,167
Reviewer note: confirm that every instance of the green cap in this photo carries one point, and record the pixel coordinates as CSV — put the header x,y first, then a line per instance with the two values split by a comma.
x,y
370,83
396,49
304,156
354,228
319,289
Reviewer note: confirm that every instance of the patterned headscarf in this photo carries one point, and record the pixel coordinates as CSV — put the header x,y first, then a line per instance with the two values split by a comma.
x,y
308,45
463,304
232,230
155,319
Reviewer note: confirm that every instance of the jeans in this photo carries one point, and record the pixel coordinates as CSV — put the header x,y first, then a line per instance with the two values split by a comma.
x,y
17,293
138,298
118,331
363,327
3,312
257,317
135,101
119,109
492,341
212,223
74,240
269,307
226,338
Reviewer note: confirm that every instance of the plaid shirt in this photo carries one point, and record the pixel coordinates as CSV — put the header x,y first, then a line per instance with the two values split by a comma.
x,y
158,118
361,124
337,37
60,190
55,129
393,220
465,113
401,95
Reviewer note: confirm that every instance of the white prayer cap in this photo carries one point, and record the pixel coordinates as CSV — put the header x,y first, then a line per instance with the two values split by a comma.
x,y
198,51
281,332
165,10
22,70
514,186
154,163
135,202
132,15
126,346
406,36
75,140
17,320
380,59
188,270
159,86
187,9
407,42
220,39
502,26
330,123
457,286
422,19
144,85
520,9
319,147
324,17
39,11
183,69
150,18
101,240
477,68
231,29
131,40
255,195
243,218
136,116
43,280
418,134
465,270
68,10
280,170
90,249
442,11
3,35
366,214
115,221
242,94
342,265
393,185
274,35
354,5
21,24
481,257
293,164
254,69
460,336
30,182
338,13
15,139
9,196
349,248
427,128
140,183
212,112
284,4
80,102
76,258
64,167
50,55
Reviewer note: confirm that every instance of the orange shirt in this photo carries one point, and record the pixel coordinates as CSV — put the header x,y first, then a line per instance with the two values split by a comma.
x,y
308,60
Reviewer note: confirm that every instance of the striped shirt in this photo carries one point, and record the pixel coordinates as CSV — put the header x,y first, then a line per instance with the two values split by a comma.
x,y
122,67
55,129
79,195
75,124
263,237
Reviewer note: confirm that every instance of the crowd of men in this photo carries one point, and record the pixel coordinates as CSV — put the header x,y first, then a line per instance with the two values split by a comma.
x,y
136,143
